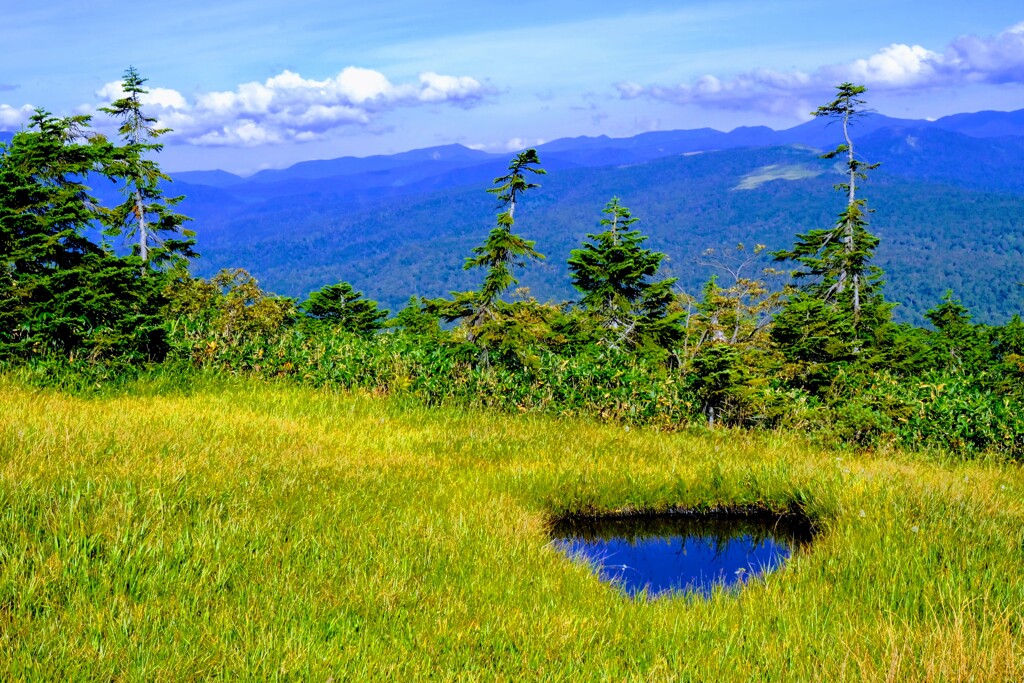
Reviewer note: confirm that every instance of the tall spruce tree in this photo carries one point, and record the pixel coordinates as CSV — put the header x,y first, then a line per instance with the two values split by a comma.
x,y
146,214
958,344
502,251
836,262
342,307
837,310
613,273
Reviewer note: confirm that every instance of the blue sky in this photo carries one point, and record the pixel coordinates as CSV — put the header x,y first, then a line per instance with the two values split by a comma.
x,y
257,83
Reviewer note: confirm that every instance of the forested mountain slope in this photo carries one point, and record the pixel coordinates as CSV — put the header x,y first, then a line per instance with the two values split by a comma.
x,y
943,225
949,201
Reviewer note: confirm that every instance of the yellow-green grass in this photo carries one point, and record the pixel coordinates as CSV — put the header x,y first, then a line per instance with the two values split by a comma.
x,y
260,532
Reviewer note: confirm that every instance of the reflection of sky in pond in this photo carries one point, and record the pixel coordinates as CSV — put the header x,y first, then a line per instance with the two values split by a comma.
x,y
662,556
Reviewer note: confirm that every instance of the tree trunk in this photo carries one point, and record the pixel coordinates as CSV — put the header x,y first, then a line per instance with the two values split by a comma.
x,y
851,200
140,213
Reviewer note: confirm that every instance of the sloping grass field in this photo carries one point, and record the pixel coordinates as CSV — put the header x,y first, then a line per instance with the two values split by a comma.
x,y
249,531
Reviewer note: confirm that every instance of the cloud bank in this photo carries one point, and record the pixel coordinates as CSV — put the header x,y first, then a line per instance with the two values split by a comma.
x,y
285,107
288,107
13,118
966,60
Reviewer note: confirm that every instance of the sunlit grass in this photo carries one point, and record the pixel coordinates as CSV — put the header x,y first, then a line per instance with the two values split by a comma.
x,y
260,532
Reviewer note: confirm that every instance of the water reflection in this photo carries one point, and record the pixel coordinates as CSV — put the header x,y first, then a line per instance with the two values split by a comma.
x,y
677,552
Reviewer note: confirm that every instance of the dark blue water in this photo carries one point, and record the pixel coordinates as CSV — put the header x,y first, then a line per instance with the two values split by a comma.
x,y
680,552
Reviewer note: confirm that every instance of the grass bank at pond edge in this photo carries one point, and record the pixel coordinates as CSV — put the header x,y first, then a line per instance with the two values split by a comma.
x,y
260,532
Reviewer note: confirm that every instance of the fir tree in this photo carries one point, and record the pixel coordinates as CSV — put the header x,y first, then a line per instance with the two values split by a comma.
x,y
60,292
502,251
416,319
613,273
343,307
837,261
145,214
958,344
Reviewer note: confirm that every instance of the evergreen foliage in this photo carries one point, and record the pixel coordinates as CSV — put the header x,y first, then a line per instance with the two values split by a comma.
x,y
59,292
502,251
839,305
343,307
837,261
146,213
416,320
613,273
957,344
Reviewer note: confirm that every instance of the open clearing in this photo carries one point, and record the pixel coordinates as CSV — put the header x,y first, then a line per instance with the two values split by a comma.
x,y
248,531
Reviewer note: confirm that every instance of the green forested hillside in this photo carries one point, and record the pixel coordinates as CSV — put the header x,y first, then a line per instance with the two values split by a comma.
x,y
934,235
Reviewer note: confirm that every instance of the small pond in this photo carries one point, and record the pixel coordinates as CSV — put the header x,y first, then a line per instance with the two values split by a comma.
x,y
681,551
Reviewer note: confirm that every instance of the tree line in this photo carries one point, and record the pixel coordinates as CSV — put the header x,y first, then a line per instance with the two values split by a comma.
x,y
106,289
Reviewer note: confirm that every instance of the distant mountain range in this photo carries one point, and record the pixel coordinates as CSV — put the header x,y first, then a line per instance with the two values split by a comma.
x,y
949,197
605,151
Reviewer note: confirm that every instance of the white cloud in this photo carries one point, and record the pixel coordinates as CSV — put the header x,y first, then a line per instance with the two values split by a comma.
x,y
288,107
898,67
437,88
12,118
510,145
360,85
239,133
519,144
157,97
772,92
998,59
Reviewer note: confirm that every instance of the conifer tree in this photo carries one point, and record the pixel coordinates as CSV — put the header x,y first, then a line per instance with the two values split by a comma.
x,y
1009,350
958,344
60,292
837,261
613,273
502,251
145,214
416,319
341,306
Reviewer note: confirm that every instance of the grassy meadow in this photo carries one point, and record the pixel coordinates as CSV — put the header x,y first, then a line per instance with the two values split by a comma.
x,y
252,531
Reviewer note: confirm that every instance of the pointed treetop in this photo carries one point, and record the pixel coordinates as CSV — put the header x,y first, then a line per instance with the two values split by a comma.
x,y
847,103
136,126
514,182
620,218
